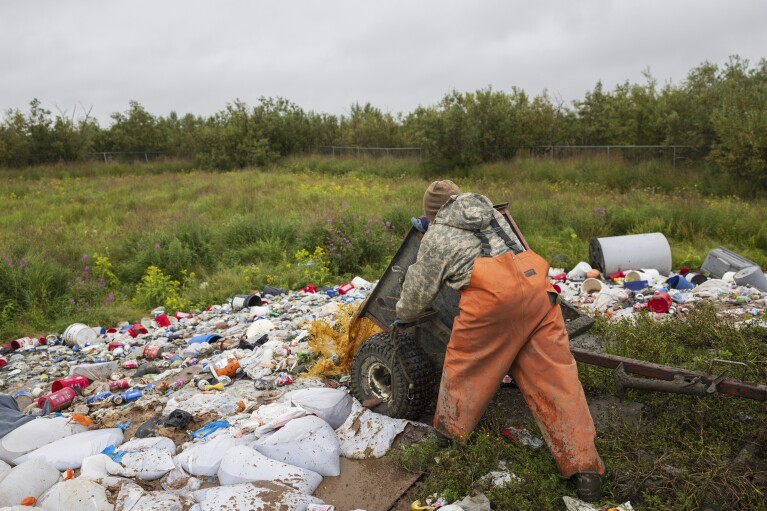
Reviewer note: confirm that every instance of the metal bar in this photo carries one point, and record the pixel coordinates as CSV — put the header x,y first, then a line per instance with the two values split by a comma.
x,y
731,387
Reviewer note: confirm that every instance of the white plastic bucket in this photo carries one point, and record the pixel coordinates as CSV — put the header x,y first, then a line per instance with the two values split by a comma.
x,y
621,253
80,334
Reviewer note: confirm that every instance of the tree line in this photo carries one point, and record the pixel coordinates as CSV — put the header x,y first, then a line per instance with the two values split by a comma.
x,y
719,111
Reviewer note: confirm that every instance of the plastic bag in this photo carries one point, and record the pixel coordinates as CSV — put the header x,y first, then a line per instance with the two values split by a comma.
x,y
75,495
259,328
243,464
331,405
100,466
307,442
242,497
30,479
149,464
99,371
272,416
70,452
367,434
35,434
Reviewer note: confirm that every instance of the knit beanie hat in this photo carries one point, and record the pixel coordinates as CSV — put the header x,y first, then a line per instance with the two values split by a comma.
x,y
437,194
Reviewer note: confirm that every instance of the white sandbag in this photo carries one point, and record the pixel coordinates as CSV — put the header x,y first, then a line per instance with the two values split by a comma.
x,y
331,405
270,417
4,470
149,464
70,452
153,442
35,434
134,498
242,464
367,434
75,495
307,442
253,497
30,479
203,458
100,466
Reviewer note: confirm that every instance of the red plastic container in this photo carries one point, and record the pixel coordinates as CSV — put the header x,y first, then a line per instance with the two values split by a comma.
x,y
182,315
162,320
659,302
114,345
137,330
345,288
58,400
24,343
3,362
73,381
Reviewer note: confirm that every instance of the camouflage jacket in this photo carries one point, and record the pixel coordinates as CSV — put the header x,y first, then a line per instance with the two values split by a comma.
x,y
448,250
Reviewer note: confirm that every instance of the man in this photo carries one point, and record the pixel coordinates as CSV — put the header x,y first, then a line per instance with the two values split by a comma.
x,y
508,319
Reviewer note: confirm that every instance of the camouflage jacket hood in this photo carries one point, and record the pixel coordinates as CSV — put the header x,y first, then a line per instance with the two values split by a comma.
x,y
448,250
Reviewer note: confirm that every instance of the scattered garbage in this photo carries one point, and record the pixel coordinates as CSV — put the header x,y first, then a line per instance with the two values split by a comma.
x,y
572,504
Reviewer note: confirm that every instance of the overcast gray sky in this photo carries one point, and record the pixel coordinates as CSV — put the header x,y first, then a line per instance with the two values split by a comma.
x,y
197,56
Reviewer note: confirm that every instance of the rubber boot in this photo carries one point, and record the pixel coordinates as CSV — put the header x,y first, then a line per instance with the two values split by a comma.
x,y
588,485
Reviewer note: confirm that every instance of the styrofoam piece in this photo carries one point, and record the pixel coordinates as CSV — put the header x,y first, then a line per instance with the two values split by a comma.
x,y
307,442
35,434
331,405
30,479
203,458
751,276
631,252
251,497
70,452
367,434
579,271
242,464
75,495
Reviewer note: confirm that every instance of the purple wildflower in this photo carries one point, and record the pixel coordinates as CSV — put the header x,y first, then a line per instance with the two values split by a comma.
x,y
71,301
110,298
85,258
157,246
23,263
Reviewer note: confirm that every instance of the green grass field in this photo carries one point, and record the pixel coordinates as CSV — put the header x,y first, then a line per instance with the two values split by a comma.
x,y
105,243
220,233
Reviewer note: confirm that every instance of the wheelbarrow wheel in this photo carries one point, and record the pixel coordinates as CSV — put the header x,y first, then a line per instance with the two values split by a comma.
x,y
373,377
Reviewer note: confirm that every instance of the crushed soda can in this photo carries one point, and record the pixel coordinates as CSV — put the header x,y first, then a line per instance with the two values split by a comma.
x,y
522,436
130,364
120,384
96,398
283,379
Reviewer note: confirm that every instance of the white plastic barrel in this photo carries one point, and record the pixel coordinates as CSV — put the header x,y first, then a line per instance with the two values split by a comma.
x,y
631,252
80,334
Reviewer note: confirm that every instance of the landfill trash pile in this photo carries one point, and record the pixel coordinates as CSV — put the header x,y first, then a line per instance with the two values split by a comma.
x,y
737,293
184,412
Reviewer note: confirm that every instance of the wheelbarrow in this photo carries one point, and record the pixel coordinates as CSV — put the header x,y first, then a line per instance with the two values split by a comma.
x,y
400,367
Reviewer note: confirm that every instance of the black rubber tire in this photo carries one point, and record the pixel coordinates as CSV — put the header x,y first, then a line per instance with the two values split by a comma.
x,y
373,361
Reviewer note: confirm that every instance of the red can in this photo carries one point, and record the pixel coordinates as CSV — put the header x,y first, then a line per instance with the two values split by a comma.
x,y
130,364
151,351
114,345
120,384
345,288
182,315
58,400
3,362
74,381
659,303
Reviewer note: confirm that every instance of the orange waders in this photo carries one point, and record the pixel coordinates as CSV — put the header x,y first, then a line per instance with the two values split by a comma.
x,y
507,319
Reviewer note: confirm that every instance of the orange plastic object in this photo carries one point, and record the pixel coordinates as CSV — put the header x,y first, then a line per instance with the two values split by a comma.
x,y
28,501
82,420
225,367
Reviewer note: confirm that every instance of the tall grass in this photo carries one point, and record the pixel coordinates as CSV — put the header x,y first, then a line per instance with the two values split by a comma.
x,y
223,224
